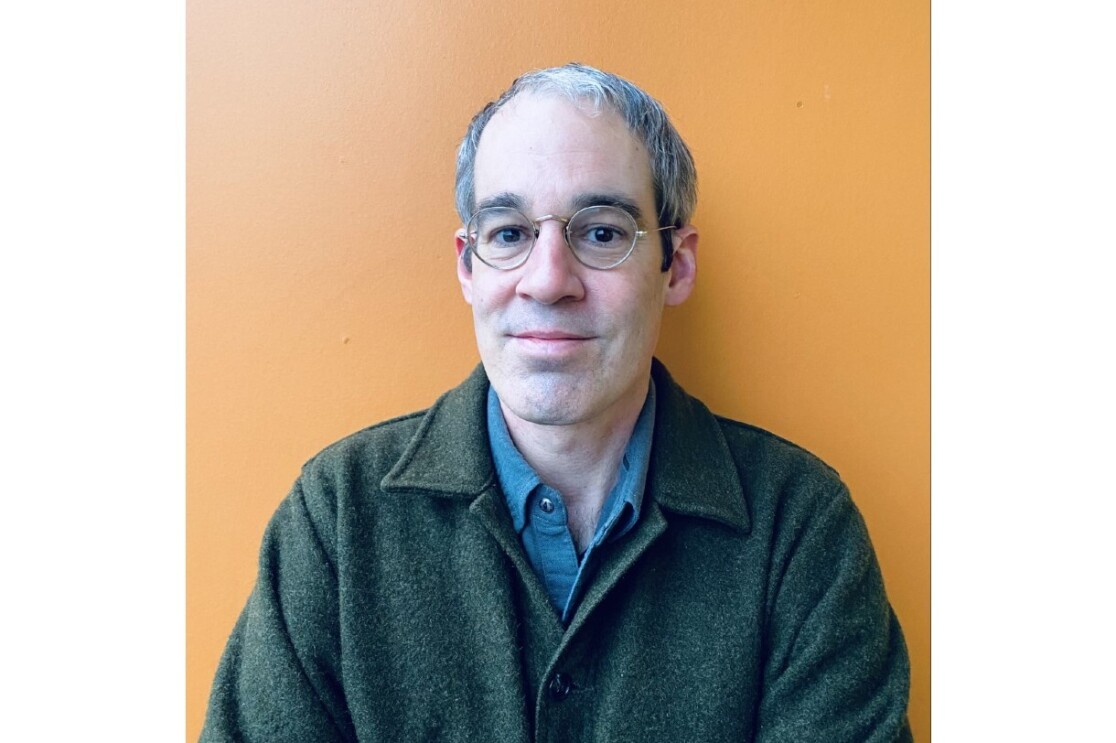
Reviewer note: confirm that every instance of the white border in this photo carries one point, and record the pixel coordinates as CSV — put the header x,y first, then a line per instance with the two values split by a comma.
x,y
92,306
1023,336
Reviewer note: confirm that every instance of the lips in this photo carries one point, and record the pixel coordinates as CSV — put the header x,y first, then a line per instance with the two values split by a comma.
x,y
549,335
549,344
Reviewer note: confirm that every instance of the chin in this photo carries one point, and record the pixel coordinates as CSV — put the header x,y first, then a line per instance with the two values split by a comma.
x,y
547,406
549,417
546,399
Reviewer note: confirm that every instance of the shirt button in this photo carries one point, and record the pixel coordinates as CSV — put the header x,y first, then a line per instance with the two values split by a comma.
x,y
560,686
547,505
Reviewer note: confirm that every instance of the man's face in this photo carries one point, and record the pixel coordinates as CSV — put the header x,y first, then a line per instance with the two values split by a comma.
x,y
563,343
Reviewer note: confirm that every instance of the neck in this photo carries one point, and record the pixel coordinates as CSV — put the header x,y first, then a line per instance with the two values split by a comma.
x,y
581,460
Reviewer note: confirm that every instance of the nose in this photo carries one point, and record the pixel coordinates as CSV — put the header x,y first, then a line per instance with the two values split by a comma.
x,y
551,273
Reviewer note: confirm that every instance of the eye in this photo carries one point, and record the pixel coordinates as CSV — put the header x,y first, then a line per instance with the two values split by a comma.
x,y
509,236
500,235
603,235
602,230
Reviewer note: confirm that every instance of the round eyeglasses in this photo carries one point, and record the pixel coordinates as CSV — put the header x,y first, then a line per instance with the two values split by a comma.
x,y
600,237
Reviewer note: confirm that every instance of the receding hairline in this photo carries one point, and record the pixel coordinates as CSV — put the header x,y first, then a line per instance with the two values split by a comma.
x,y
593,110
587,105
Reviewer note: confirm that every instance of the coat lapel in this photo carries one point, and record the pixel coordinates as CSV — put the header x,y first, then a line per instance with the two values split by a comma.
x,y
692,471
449,454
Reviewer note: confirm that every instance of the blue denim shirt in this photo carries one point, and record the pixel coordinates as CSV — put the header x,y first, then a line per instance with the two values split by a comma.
x,y
539,515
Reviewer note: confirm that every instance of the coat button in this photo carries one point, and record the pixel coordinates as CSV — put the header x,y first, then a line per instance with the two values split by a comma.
x,y
547,505
560,686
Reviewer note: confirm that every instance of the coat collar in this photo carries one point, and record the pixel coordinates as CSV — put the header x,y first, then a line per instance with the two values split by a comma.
x,y
692,471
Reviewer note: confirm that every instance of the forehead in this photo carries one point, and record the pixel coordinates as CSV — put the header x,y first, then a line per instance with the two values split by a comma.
x,y
549,150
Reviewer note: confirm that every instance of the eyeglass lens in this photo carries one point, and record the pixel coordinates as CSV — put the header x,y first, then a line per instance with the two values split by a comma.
x,y
600,236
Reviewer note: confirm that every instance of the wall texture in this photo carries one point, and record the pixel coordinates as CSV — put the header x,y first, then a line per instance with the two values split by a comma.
x,y
320,265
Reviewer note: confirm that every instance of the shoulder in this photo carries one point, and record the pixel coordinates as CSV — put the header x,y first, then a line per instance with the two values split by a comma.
x,y
786,485
696,439
350,470
737,472
757,451
440,450
371,449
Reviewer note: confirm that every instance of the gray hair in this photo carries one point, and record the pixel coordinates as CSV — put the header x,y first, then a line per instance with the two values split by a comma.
x,y
673,175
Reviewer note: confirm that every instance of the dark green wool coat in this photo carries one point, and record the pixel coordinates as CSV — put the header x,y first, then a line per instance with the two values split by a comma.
x,y
394,601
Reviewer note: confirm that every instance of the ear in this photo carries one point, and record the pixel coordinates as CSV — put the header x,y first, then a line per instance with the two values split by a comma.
x,y
464,272
683,269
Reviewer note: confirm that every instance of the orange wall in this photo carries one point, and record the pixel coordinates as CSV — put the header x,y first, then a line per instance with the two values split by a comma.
x,y
320,265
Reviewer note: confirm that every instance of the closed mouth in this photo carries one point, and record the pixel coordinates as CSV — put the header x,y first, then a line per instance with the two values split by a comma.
x,y
549,335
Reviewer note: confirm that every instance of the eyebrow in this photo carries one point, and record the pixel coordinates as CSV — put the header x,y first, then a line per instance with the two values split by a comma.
x,y
617,200
505,198
515,201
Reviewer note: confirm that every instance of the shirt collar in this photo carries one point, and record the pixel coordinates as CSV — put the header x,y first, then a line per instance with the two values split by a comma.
x,y
516,477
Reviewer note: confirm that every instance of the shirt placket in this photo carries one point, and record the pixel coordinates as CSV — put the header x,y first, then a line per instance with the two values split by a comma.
x,y
554,544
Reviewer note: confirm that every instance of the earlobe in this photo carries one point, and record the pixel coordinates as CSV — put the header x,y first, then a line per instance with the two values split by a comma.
x,y
683,270
464,267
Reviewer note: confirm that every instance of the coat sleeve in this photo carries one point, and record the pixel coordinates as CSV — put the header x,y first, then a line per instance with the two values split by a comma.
x,y
836,664
279,677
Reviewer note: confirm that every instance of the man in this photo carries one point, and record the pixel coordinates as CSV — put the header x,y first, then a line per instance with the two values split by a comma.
x,y
567,547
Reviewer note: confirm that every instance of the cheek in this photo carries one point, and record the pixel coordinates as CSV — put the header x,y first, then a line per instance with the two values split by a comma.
x,y
486,295
637,318
490,309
